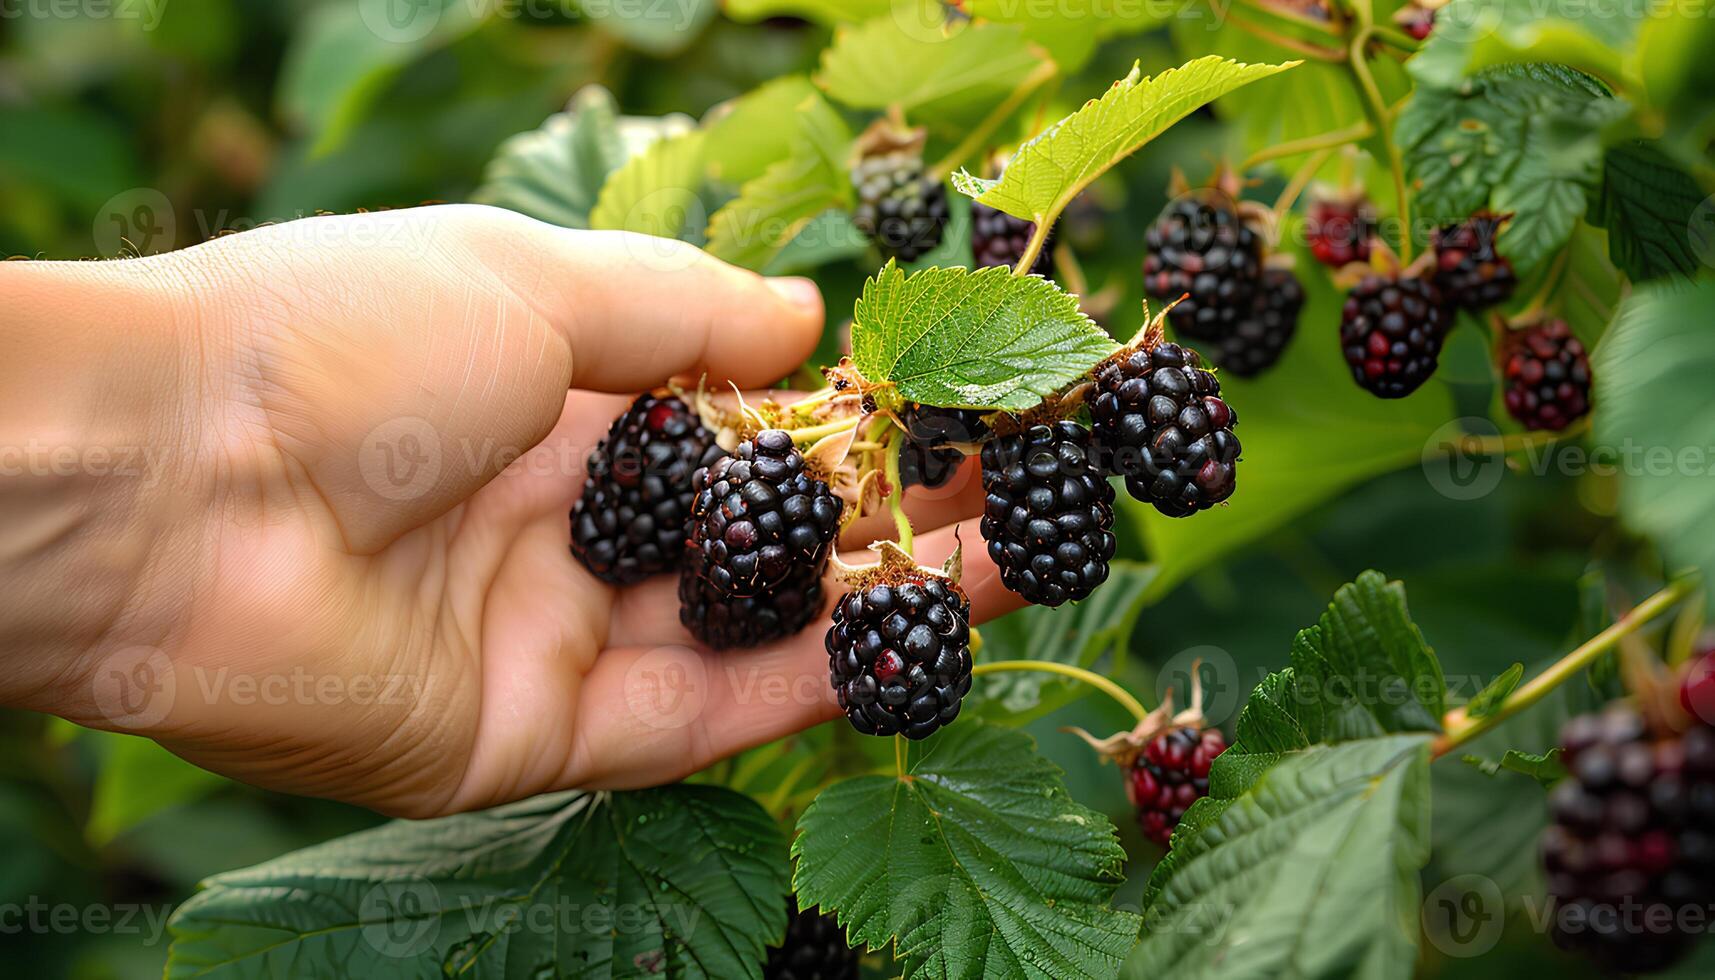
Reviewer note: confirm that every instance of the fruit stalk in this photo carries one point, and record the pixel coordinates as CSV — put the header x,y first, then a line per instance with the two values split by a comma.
x,y
896,490
1095,680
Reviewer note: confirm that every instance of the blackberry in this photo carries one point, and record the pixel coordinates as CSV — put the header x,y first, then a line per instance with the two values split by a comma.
x,y
899,656
1048,517
1469,272
1546,375
1630,845
921,466
757,515
630,521
815,949
1697,688
1262,337
1416,20
1160,422
930,426
722,622
1339,231
900,208
1170,775
1391,330
1201,247
998,238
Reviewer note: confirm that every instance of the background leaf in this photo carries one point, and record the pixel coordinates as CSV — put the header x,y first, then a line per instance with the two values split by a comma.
x,y
1647,204
876,64
658,191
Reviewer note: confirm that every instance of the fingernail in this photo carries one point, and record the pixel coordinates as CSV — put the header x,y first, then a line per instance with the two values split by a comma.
x,y
797,290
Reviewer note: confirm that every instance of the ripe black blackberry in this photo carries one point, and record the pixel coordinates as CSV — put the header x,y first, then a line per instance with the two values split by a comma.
x,y
1202,247
900,208
930,426
758,515
630,521
722,622
1339,231
1170,775
815,949
1468,271
921,466
1630,847
1261,338
1048,517
998,238
1391,331
899,655
1546,376
1160,422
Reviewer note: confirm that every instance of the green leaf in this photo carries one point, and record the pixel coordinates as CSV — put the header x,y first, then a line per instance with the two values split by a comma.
x,y
1647,205
978,865
684,881
658,191
1656,422
138,779
771,210
749,134
659,29
555,172
1490,698
1049,170
1472,35
877,64
1079,635
984,339
1545,767
1311,871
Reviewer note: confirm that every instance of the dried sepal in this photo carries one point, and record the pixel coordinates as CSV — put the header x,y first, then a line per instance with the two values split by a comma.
x,y
1123,748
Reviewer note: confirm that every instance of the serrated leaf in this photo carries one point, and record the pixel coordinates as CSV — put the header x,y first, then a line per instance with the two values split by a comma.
x,y
1459,145
978,865
984,339
1472,35
657,192
1545,767
1311,871
878,64
1491,697
751,133
1646,204
1656,420
771,210
1048,171
684,881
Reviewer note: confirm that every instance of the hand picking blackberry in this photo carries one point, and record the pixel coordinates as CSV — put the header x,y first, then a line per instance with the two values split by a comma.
x,y
1470,273
758,514
629,523
1159,421
1259,340
1048,517
722,622
1201,246
1391,332
900,208
1545,376
998,238
899,655
814,949
1170,775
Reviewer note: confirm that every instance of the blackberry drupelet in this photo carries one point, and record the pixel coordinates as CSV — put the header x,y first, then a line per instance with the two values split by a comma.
x,y
758,515
900,208
899,655
630,521
930,426
1339,231
1391,331
1202,247
1468,271
921,466
998,238
1262,337
815,949
1170,775
1160,422
1632,842
1545,375
1048,518
723,622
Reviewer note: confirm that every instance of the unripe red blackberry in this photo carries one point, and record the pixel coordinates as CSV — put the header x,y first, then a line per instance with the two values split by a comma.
x,y
1630,847
1170,775
1259,340
1048,516
1201,246
1391,331
900,208
758,515
815,949
1339,231
899,655
722,622
1159,421
629,523
1470,273
1545,376
1697,688
998,238
1416,20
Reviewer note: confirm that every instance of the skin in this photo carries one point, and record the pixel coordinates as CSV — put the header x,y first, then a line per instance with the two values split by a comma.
x,y
214,535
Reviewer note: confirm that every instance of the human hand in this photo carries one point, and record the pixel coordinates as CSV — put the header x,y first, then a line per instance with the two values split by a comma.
x,y
349,575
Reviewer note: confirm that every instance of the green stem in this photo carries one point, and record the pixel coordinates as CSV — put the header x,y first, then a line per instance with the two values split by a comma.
x,y
1357,60
1459,729
815,398
1309,144
1033,248
1315,52
1520,441
1395,38
1095,680
980,135
812,433
1292,16
896,491
899,748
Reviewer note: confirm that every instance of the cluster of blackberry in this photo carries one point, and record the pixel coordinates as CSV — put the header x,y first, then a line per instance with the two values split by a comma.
x,y
814,949
900,208
1170,775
